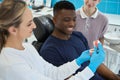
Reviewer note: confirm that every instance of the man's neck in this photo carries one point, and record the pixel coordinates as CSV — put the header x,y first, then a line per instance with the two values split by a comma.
x,y
89,12
60,35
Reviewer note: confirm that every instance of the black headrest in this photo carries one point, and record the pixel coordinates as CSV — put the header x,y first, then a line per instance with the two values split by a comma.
x,y
44,27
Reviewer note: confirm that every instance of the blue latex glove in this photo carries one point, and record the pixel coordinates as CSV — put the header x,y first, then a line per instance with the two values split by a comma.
x,y
97,57
85,56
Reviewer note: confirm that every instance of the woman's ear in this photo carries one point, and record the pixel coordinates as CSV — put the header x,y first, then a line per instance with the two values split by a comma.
x,y
12,30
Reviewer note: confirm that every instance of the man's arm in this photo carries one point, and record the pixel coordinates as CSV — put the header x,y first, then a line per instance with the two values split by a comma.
x,y
107,73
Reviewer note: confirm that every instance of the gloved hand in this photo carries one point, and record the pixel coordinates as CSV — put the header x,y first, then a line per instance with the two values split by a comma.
x,y
97,57
85,56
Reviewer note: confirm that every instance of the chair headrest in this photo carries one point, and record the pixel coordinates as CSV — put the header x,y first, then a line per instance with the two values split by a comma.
x,y
44,27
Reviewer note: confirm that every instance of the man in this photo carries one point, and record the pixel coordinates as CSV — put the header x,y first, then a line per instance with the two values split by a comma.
x,y
64,44
91,22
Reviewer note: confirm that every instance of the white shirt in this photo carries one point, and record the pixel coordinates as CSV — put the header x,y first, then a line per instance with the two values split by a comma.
x,y
28,65
93,27
83,15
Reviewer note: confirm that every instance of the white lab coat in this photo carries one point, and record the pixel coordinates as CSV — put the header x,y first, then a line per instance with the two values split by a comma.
x,y
28,65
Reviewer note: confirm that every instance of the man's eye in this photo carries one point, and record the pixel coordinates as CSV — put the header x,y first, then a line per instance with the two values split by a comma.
x,y
74,19
66,19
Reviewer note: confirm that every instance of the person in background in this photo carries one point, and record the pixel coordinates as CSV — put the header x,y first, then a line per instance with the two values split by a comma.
x,y
21,61
64,44
91,22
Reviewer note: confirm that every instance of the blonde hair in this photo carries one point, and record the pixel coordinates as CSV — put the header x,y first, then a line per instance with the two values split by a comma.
x,y
10,15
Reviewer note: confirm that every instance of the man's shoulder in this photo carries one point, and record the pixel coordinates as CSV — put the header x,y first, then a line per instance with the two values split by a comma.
x,y
50,38
51,42
102,15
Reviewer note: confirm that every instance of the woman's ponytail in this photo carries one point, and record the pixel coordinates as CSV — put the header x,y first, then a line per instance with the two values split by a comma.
x,y
3,36
10,15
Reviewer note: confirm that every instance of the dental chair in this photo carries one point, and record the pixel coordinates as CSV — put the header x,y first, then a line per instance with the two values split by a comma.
x,y
44,27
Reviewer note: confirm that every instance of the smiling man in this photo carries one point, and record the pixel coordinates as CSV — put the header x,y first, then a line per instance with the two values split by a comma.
x,y
65,44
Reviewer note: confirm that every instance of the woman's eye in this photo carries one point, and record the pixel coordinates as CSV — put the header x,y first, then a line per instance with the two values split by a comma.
x,y
29,24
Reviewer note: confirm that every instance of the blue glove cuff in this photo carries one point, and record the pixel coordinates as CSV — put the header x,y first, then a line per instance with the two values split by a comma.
x,y
93,68
78,62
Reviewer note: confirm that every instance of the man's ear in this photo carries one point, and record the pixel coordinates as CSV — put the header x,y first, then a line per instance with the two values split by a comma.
x,y
54,20
12,30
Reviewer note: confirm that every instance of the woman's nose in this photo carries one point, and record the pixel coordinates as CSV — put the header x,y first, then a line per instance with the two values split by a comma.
x,y
34,26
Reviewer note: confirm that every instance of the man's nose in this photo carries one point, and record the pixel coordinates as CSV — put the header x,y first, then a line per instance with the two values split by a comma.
x,y
90,1
72,23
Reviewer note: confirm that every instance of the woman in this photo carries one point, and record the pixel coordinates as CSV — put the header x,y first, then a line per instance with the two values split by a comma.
x,y
20,61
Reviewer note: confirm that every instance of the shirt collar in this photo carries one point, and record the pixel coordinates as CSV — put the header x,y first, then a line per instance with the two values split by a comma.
x,y
83,15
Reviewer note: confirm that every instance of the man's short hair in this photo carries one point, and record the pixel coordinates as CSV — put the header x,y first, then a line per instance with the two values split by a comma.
x,y
63,5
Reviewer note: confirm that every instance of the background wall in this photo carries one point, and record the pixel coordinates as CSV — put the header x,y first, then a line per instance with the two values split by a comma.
x,y
110,6
106,6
